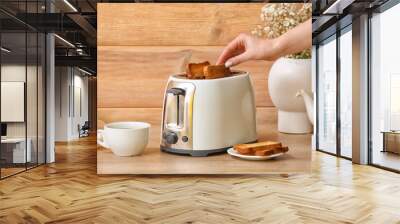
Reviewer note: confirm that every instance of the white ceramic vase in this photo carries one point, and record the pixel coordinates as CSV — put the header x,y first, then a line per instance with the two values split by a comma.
x,y
286,77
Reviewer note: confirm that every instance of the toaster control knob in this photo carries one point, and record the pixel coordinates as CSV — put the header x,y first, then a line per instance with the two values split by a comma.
x,y
171,138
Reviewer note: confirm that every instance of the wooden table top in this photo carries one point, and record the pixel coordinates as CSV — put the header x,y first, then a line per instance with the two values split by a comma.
x,y
153,161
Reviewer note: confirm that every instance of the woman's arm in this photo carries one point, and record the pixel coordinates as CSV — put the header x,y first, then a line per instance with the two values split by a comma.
x,y
245,47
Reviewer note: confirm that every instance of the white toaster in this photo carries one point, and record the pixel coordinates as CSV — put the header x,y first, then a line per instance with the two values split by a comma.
x,y
201,117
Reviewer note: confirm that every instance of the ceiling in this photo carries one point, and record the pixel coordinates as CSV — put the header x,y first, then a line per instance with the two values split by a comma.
x,y
21,21
74,22
329,16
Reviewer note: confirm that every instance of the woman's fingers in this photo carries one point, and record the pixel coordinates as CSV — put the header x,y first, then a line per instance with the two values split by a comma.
x,y
238,59
235,47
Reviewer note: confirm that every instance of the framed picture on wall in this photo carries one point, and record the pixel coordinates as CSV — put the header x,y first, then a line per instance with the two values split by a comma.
x,y
12,101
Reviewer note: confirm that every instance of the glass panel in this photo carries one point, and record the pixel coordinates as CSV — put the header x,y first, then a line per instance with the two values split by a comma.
x,y
327,96
394,102
41,98
32,89
22,88
13,89
31,100
346,94
385,84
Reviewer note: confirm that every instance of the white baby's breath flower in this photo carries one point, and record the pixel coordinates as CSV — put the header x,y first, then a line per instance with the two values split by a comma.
x,y
286,23
278,18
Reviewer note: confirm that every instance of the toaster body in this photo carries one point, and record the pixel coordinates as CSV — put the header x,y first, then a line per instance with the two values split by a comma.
x,y
202,117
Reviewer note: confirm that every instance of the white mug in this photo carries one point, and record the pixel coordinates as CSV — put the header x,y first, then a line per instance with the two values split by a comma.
x,y
124,138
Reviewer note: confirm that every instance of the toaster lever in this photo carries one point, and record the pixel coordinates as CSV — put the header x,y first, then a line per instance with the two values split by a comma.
x,y
176,91
170,137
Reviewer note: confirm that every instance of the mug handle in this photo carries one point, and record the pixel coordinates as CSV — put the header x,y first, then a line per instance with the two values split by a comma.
x,y
100,138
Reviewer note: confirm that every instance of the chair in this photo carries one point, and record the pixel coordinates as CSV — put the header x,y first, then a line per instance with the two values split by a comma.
x,y
84,130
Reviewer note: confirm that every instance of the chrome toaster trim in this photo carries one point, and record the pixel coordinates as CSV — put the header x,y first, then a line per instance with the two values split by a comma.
x,y
181,130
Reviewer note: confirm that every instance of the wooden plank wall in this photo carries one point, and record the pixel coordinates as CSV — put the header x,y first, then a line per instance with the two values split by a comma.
x,y
140,45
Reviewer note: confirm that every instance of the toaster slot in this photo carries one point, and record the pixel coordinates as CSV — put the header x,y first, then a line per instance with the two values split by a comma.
x,y
180,108
177,116
175,108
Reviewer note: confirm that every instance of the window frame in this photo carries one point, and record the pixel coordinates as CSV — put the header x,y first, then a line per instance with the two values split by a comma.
x,y
27,29
381,9
333,37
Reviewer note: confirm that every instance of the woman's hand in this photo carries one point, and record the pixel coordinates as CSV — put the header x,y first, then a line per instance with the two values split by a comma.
x,y
245,47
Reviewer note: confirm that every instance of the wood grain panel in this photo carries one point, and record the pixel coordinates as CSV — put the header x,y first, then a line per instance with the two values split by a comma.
x,y
261,94
150,62
130,93
136,76
117,93
135,59
174,24
266,116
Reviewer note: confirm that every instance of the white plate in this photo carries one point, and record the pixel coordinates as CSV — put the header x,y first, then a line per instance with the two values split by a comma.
x,y
234,153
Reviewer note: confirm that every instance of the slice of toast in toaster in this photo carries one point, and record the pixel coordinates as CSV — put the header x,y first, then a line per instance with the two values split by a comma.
x,y
269,152
252,148
216,71
196,70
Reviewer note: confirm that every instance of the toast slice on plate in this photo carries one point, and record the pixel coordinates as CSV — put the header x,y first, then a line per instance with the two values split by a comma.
x,y
269,152
252,148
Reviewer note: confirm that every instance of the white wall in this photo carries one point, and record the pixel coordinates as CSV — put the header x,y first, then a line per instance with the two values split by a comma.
x,y
79,117
50,94
16,73
33,127
11,73
70,83
62,80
